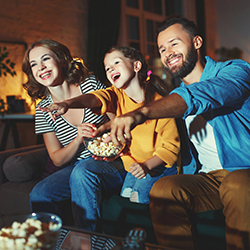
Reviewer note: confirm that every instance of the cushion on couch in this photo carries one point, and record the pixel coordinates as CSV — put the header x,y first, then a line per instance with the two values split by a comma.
x,y
25,166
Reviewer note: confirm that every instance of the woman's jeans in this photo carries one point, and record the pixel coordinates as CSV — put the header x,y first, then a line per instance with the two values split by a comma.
x,y
143,186
84,183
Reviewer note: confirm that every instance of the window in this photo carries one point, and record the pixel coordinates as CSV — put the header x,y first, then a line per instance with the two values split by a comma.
x,y
133,31
154,6
139,22
133,3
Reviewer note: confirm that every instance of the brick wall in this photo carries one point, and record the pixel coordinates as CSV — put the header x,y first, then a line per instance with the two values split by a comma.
x,y
61,20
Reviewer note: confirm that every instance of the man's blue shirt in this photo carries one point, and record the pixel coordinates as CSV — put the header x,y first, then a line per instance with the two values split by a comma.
x,y
222,96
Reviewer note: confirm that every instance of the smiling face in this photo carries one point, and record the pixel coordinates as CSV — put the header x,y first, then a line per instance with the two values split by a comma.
x,y
45,67
120,70
177,51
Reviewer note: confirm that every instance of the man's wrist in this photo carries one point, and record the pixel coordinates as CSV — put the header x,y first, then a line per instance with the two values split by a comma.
x,y
68,103
141,115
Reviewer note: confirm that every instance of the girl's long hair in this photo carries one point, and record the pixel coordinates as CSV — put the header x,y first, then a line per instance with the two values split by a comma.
x,y
152,83
74,70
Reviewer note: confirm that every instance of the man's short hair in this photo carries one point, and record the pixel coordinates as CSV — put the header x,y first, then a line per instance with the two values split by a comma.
x,y
188,26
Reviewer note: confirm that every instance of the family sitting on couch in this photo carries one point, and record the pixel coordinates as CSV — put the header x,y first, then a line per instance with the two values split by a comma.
x,y
213,101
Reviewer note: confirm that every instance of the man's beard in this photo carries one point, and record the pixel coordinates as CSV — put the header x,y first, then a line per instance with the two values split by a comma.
x,y
187,66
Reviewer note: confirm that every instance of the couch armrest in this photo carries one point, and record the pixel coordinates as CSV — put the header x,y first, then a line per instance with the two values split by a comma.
x,y
8,153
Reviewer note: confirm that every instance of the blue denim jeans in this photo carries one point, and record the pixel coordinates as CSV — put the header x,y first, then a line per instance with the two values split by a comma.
x,y
143,186
84,183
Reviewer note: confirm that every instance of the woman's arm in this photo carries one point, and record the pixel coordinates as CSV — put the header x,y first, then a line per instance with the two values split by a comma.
x,y
61,155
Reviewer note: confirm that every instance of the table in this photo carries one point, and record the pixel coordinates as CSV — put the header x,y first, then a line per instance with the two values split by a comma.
x,y
76,238
10,121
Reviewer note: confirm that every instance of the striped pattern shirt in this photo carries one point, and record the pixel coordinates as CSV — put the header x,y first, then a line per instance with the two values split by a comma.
x,y
97,242
66,132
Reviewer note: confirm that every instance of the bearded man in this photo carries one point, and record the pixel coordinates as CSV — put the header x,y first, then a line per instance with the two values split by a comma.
x,y
214,102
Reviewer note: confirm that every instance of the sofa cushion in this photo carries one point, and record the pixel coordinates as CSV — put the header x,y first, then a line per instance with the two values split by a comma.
x,y
25,166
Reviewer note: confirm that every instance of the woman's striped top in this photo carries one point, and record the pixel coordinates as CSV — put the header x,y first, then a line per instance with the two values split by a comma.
x,y
66,132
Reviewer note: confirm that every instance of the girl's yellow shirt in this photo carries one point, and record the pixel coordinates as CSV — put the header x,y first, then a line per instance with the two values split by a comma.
x,y
154,137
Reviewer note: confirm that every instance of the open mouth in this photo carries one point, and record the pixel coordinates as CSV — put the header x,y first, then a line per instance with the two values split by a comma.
x,y
45,75
115,76
173,60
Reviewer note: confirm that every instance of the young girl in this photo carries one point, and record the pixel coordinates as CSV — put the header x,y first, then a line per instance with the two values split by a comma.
x,y
54,76
155,145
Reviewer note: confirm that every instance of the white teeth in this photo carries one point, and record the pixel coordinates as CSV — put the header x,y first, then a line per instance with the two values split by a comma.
x,y
173,61
44,75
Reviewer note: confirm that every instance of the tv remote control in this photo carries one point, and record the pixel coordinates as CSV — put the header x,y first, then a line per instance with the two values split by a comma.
x,y
135,239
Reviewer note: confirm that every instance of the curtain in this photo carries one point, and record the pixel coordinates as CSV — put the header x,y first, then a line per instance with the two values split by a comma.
x,y
200,16
103,32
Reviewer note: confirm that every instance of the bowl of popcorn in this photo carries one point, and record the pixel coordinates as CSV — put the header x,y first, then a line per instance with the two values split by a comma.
x,y
36,231
98,147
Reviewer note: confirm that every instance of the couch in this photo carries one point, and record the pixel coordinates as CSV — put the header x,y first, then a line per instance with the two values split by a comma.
x,y
21,169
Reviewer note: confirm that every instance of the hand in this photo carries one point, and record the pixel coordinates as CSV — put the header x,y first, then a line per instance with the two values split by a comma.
x,y
85,130
61,107
121,126
138,170
108,159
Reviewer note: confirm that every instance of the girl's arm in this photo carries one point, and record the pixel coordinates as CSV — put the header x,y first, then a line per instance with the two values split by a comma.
x,y
82,101
140,170
166,151
153,162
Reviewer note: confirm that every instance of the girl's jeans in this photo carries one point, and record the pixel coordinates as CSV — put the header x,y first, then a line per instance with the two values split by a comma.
x,y
143,186
85,182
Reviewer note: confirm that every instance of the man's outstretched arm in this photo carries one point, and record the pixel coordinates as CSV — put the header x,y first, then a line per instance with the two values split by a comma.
x,y
167,107
120,127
